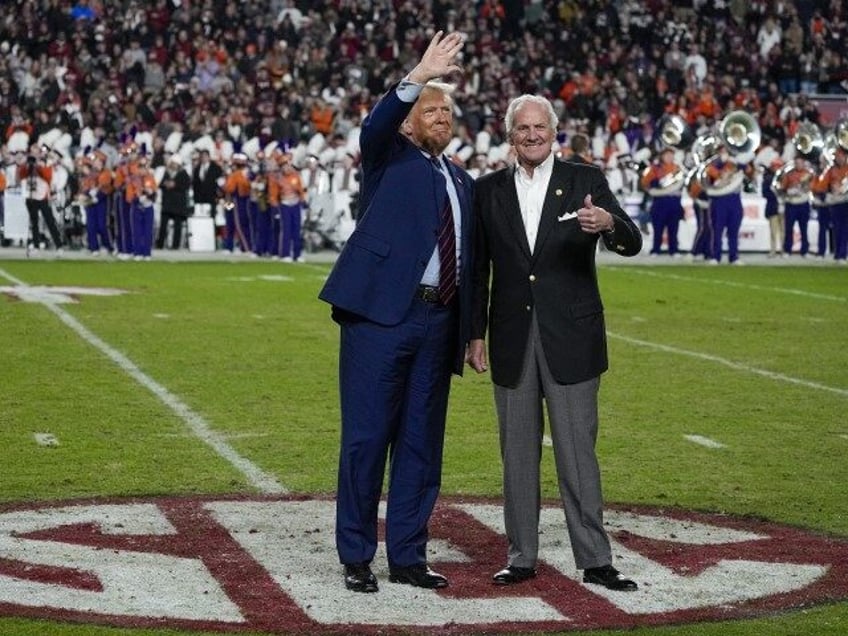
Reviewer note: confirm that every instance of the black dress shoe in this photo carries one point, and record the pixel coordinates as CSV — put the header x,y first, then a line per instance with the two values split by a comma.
x,y
513,574
359,578
610,578
418,575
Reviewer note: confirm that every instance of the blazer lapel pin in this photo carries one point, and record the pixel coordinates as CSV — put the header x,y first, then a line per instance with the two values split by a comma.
x,y
558,192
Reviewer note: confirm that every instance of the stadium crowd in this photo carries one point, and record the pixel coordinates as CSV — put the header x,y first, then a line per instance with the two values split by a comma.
x,y
106,100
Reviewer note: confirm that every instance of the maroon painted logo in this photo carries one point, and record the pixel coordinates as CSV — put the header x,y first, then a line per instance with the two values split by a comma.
x,y
233,565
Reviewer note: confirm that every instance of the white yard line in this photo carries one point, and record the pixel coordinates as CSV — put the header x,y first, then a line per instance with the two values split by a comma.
x,y
704,441
730,363
262,481
714,281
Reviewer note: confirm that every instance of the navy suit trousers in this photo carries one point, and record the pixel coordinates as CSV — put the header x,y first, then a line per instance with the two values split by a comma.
x,y
394,396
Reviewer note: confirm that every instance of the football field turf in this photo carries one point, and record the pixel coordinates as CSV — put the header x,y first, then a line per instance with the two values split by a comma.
x,y
727,394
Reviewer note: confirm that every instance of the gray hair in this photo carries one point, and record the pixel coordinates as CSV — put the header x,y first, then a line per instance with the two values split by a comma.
x,y
520,101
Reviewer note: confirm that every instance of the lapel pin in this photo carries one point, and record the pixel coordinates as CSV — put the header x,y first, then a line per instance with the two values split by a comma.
x,y
558,192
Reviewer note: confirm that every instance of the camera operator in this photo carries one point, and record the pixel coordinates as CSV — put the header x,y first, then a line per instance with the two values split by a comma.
x,y
35,175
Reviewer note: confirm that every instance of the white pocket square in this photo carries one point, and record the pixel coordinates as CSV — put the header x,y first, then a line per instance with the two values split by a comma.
x,y
567,216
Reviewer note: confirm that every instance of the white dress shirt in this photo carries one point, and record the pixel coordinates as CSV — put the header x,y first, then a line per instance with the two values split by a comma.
x,y
531,192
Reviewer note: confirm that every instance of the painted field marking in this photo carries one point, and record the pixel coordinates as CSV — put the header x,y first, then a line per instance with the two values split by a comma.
x,y
714,281
262,481
224,435
704,441
46,439
771,375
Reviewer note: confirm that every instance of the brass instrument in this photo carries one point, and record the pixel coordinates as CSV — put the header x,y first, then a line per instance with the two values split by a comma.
x,y
829,149
776,185
840,132
808,141
672,181
800,192
834,140
740,133
809,144
675,132
704,151
705,148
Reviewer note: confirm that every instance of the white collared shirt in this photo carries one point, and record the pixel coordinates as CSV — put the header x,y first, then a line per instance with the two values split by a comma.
x,y
531,192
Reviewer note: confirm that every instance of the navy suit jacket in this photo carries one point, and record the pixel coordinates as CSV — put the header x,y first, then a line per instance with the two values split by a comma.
x,y
377,274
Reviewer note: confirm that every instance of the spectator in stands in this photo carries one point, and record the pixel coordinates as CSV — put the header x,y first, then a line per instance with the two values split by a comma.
x,y
85,41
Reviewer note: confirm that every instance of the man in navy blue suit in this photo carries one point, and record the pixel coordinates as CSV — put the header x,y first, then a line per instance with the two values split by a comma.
x,y
401,293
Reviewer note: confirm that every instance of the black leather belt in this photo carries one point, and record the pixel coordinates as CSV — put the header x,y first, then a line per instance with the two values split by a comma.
x,y
428,293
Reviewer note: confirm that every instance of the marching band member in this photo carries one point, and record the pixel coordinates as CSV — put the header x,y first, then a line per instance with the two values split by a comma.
x,y
36,176
794,188
664,180
260,206
821,206
725,180
127,166
292,201
96,188
236,213
702,243
286,195
834,183
140,194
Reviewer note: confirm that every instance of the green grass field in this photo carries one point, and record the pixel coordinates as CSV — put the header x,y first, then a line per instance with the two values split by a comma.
x,y
754,358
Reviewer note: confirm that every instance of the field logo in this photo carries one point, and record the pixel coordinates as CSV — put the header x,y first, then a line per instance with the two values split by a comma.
x,y
269,564
55,295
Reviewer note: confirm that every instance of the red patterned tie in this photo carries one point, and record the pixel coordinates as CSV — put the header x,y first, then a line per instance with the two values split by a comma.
x,y
447,255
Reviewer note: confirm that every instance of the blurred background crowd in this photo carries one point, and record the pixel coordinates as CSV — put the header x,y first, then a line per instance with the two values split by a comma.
x,y
282,85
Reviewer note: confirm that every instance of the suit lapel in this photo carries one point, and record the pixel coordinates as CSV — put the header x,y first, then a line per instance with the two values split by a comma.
x,y
506,201
559,189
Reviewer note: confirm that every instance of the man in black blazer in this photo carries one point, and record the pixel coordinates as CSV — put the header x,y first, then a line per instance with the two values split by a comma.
x,y
537,226
175,185
206,182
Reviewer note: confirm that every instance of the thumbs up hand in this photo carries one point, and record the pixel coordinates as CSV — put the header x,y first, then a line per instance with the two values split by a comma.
x,y
593,219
